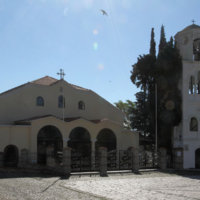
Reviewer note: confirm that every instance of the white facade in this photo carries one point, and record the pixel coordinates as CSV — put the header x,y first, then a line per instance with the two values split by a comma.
x,y
187,134
27,111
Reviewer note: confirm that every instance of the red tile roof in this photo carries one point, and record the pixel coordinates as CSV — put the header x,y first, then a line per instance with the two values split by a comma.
x,y
47,80
34,118
70,119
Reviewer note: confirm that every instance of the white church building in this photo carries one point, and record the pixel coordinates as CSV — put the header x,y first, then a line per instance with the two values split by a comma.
x,y
187,134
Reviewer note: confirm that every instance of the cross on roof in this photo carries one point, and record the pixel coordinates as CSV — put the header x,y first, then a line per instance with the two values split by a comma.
x,y
193,21
62,74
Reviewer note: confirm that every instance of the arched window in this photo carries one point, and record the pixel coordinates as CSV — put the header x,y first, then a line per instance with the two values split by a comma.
x,y
40,101
196,49
61,101
191,85
193,124
81,105
198,83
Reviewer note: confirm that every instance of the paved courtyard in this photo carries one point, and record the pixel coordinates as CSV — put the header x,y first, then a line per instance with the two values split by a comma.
x,y
145,185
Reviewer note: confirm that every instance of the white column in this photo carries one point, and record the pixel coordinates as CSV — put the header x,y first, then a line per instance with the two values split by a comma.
x,y
93,143
65,140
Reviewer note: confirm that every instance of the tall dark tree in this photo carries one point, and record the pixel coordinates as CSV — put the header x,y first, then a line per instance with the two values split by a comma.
x,y
152,44
165,70
162,39
169,68
142,76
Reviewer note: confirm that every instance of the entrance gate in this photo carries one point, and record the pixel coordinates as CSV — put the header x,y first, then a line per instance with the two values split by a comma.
x,y
48,136
148,159
83,163
119,160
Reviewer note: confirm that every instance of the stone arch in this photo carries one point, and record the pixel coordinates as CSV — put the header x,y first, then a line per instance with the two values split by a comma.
x,y
11,155
48,136
193,115
80,141
197,158
106,138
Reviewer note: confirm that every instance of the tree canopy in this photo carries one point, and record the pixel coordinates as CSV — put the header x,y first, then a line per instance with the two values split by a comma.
x,y
165,71
128,108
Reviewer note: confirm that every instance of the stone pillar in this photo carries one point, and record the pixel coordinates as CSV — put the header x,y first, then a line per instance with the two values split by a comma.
x,y
103,161
1,159
66,160
178,158
24,157
93,153
163,158
135,160
50,162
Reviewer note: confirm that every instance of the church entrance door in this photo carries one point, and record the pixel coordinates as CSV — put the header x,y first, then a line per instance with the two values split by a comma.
x,y
197,159
11,156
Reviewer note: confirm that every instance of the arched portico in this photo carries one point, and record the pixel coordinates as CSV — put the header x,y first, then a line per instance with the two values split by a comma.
x,y
106,138
48,136
80,141
197,158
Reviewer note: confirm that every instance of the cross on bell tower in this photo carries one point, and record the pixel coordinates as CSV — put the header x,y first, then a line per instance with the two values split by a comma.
x,y
62,74
193,21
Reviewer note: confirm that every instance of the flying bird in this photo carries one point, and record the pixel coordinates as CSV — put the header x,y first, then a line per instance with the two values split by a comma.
x,y
104,13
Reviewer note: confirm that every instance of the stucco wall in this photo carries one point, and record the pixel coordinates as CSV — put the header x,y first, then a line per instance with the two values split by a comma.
x,y
15,135
22,104
130,139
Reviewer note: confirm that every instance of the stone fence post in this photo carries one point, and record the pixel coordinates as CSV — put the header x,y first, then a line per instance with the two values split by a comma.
x,y
178,158
1,159
66,160
163,158
135,160
103,161
50,161
24,157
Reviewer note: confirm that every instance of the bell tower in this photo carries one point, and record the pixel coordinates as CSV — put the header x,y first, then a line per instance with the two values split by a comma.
x,y
187,134
188,42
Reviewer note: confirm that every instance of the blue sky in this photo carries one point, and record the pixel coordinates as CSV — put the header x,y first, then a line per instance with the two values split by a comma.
x,y
38,37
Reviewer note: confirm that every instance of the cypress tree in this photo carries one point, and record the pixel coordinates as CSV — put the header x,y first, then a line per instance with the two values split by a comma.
x,y
165,69
162,40
143,76
169,68
152,50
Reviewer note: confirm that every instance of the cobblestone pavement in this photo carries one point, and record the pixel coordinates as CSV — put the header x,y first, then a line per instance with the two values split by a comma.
x,y
145,185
